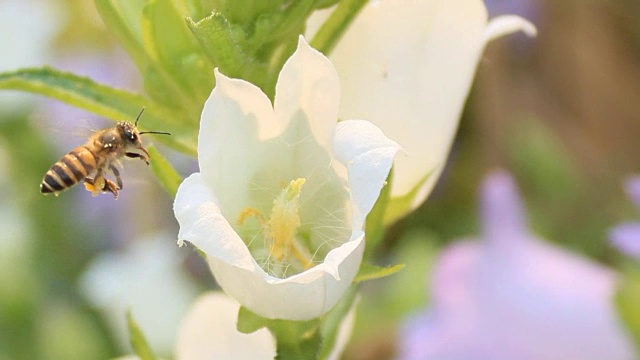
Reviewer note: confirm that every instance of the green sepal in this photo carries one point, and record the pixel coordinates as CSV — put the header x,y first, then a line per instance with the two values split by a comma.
x,y
218,40
375,226
137,339
103,100
627,299
223,43
168,177
332,321
371,272
294,339
250,322
401,205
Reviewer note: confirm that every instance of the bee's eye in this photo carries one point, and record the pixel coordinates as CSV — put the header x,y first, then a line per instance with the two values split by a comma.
x,y
130,135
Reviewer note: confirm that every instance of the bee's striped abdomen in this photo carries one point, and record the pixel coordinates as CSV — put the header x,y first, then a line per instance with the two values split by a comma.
x,y
69,170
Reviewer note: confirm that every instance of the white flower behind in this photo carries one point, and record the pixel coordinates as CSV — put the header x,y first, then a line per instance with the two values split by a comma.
x,y
29,29
280,203
146,279
209,331
407,66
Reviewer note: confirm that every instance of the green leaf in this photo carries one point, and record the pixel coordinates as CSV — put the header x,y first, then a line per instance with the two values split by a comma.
x,y
137,340
371,272
323,4
338,22
166,174
245,12
294,339
400,206
627,300
197,70
79,91
169,42
103,100
122,18
192,8
375,226
333,320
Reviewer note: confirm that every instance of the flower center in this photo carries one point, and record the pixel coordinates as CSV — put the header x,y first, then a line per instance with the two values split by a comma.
x,y
281,228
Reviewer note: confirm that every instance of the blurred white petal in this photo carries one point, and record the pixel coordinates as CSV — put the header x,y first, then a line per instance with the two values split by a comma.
x,y
147,279
407,66
209,331
28,29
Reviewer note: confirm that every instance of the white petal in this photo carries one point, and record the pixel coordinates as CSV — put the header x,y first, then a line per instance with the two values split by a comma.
x,y
415,99
202,224
308,86
209,332
368,156
300,297
229,133
304,296
508,24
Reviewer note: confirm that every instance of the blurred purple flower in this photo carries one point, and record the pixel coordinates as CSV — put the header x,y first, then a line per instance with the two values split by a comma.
x,y
626,236
511,296
528,9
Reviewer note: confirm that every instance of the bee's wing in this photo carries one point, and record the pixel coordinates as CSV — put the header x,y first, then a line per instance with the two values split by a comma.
x,y
65,130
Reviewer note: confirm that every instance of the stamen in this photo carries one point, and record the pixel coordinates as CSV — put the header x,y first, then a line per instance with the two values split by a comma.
x,y
281,228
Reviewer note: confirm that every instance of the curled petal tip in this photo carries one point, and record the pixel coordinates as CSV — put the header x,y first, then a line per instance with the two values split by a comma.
x,y
508,24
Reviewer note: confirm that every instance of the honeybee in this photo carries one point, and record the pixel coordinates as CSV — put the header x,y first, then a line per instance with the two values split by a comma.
x,y
92,160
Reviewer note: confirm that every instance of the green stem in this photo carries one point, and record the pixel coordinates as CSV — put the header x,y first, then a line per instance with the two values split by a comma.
x,y
332,30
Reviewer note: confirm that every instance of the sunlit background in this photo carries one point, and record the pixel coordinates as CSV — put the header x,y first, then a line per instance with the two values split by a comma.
x,y
560,112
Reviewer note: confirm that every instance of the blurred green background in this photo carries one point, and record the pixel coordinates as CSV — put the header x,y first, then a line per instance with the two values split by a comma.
x,y
560,112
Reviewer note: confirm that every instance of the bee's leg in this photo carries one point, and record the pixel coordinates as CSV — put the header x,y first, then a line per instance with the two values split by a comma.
x,y
111,187
94,184
116,173
133,155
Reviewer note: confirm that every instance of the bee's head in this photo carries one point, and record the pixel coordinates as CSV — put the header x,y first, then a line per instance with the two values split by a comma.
x,y
129,133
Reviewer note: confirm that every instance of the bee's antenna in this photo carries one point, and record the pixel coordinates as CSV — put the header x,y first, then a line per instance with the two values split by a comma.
x,y
138,118
154,132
